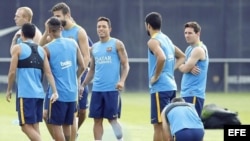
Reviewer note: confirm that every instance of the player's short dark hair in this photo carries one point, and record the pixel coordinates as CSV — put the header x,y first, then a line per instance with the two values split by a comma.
x,y
61,6
177,99
194,25
29,30
54,24
154,19
104,19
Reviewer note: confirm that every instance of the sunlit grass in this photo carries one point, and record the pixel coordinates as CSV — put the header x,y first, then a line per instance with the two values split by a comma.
x,y
135,118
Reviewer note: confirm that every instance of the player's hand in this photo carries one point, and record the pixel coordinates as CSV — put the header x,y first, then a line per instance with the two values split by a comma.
x,y
18,35
45,114
120,86
195,70
80,91
46,25
8,95
54,97
153,79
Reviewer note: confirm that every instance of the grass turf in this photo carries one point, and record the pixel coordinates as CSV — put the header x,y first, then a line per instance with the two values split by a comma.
x,y
135,118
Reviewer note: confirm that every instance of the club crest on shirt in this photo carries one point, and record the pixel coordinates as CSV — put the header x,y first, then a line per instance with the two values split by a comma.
x,y
108,49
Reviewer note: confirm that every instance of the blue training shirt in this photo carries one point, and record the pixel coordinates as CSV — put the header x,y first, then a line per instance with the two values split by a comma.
x,y
63,63
195,85
107,65
73,34
187,114
29,80
166,81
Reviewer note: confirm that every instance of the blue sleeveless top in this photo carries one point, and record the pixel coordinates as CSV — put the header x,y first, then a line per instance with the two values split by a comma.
x,y
166,81
187,114
63,63
73,34
29,80
107,65
195,85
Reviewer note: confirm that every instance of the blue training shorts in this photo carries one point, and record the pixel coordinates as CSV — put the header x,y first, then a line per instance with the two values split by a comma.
x,y
82,103
60,113
197,101
30,110
158,101
105,105
189,135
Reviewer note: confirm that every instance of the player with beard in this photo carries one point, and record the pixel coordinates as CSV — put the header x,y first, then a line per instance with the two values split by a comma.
x,y
67,67
195,68
76,32
164,57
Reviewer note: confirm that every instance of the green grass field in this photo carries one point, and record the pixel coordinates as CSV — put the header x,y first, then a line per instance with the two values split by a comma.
x,y
135,118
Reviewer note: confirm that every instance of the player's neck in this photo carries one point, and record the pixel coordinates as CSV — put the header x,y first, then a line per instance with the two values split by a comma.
x,y
154,32
105,39
197,43
27,40
56,35
69,25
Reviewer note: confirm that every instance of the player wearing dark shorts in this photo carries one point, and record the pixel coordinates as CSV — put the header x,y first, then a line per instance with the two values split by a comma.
x,y
181,122
109,69
28,63
105,105
67,66
163,58
194,79
158,101
74,31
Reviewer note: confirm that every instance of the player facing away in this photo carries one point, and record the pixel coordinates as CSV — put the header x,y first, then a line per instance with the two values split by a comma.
x,y
74,31
109,68
23,15
163,58
27,66
67,66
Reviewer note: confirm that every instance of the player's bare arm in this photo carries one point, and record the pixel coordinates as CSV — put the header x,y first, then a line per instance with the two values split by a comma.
x,y
84,45
12,71
50,78
81,68
80,62
14,39
38,36
124,64
196,55
180,57
167,134
154,46
45,36
90,73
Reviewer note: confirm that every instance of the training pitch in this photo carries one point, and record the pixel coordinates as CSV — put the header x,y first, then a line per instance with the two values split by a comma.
x,y
135,118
